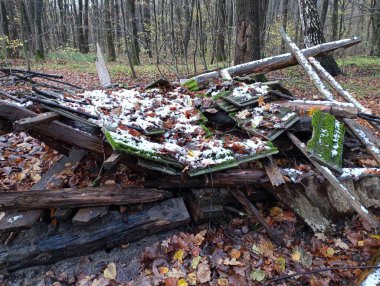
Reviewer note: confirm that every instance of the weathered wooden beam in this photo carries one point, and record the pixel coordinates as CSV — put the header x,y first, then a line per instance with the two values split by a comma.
x,y
109,232
57,130
27,123
229,178
356,205
302,60
331,81
338,109
97,196
274,63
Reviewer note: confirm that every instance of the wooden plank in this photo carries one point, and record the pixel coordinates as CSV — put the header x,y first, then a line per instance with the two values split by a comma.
x,y
86,215
86,197
57,130
335,108
27,123
15,221
357,206
272,63
101,68
109,232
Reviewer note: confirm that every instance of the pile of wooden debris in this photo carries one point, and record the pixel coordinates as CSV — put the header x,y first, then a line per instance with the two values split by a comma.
x,y
181,137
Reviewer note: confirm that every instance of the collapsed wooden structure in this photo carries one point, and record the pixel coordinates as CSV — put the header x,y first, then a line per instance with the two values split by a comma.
x,y
182,198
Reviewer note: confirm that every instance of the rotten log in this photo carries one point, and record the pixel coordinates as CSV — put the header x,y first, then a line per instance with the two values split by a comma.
x,y
338,109
276,62
86,197
110,231
57,130
357,206
27,123
9,96
297,200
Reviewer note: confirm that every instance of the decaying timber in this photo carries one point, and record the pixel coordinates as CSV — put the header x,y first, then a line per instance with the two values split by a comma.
x,y
273,63
109,232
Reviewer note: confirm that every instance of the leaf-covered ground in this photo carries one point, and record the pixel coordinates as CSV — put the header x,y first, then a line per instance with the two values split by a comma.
x,y
233,251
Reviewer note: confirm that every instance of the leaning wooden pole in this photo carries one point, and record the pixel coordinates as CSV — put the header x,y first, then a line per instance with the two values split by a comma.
x,y
356,205
339,89
271,63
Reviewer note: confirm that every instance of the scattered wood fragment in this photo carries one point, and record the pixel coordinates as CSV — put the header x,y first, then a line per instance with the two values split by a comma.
x,y
27,123
86,215
109,232
15,221
358,207
273,172
112,160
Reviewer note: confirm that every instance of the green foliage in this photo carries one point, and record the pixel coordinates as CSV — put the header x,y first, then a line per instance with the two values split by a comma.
x,y
191,85
71,55
273,44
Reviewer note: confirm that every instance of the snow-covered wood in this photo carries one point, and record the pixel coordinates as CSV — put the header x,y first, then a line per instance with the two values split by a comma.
x,y
302,60
275,62
104,76
363,138
346,194
331,81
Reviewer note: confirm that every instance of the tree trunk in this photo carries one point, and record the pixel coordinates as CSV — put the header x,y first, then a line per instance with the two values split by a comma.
x,y
38,8
85,28
375,49
79,28
250,19
220,54
334,20
313,34
284,22
109,37
325,8
131,9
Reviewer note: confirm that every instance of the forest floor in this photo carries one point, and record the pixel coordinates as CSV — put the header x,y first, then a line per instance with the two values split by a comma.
x,y
232,251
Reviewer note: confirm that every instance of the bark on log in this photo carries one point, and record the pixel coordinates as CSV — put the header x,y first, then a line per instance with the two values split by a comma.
x,y
276,62
29,122
111,231
86,197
